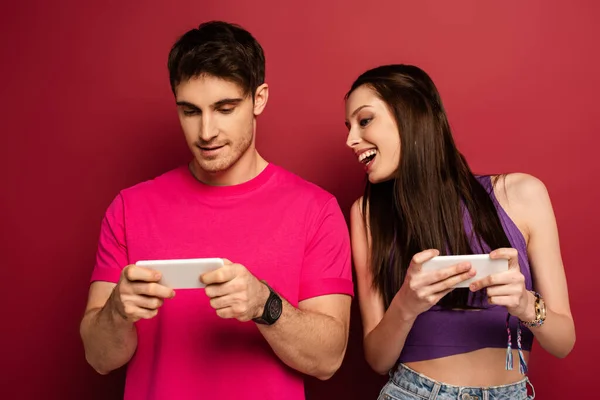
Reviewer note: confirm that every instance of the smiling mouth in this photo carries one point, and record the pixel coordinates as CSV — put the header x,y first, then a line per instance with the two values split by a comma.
x,y
211,148
366,157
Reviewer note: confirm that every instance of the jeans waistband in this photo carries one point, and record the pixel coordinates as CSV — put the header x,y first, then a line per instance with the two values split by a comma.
x,y
427,388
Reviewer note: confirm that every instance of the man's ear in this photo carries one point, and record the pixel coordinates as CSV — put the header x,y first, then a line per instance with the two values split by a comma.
x,y
260,99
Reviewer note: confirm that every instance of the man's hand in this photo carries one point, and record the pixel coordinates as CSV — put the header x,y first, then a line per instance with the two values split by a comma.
x,y
138,295
234,292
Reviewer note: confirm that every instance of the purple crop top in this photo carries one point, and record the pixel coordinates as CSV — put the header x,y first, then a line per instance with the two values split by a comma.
x,y
439,333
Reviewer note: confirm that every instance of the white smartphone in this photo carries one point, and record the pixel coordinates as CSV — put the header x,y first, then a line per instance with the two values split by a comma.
x,y
182,273
482,263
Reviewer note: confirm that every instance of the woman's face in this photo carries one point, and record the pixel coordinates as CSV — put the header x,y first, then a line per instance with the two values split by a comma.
x,y
373,135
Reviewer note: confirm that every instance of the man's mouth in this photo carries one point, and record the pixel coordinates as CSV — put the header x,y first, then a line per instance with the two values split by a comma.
x,y
209,148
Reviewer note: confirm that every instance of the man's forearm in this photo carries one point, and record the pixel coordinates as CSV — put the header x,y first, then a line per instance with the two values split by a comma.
x,y
108,339
307,341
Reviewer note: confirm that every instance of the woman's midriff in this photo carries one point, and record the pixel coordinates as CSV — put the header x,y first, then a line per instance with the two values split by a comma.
x,y
480,368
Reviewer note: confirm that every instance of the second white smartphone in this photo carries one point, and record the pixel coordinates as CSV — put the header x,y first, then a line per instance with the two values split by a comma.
x,y
182,273
482,263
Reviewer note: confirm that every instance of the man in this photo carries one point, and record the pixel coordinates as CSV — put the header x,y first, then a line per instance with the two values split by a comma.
x,y
279,309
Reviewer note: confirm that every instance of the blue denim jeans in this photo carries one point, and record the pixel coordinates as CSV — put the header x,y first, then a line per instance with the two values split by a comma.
x,y
406,384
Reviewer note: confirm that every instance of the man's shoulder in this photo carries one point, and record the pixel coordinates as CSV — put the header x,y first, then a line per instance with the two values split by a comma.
x,y
295,185
159,184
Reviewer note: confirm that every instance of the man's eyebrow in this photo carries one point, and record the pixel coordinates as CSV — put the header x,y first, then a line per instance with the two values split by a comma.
x,y
187,104
228,101
233,101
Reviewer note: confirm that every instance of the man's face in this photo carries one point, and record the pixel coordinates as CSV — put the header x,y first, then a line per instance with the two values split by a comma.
x,y
217,120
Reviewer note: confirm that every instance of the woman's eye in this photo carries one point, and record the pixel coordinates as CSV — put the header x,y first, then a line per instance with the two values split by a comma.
x,y
364,122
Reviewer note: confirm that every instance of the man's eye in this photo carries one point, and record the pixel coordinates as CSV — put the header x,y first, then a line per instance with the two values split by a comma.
x,y
226,110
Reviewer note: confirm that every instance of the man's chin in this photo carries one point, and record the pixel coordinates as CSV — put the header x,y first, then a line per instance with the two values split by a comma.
x,y
213,166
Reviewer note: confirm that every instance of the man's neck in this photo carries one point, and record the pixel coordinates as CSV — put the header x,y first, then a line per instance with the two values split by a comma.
x,y
248,167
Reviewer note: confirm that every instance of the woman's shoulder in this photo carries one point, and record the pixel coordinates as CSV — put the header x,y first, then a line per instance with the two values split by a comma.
x,y
523,197
519,189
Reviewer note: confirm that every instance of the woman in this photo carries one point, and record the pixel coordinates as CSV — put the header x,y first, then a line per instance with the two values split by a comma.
x,y
422,200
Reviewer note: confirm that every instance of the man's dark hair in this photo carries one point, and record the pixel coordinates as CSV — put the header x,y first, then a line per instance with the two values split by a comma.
x,y
219,49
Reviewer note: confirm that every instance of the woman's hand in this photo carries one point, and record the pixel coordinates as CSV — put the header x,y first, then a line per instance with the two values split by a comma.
x,y
423,289
507,288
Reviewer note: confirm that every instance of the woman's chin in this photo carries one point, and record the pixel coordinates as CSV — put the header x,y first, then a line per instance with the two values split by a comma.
x,y
375,178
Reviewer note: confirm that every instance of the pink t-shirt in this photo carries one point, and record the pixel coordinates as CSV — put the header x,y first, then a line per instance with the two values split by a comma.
x,y
282,228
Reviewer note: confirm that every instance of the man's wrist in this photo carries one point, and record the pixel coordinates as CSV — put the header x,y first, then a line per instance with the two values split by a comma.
x,y
112,309
263,296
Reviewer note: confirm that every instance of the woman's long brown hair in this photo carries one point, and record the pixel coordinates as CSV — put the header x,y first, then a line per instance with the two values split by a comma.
x,y
423,206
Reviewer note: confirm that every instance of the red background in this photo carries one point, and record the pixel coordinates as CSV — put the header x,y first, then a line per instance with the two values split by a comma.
x,y
86,110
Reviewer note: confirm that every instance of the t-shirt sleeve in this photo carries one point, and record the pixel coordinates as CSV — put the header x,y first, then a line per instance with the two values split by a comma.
x,y
327,267
111,255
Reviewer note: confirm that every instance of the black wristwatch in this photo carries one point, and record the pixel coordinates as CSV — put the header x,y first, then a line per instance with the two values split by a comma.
x,y
273,308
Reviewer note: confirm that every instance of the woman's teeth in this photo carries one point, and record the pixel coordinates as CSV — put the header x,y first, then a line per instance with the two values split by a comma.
x,y
367,156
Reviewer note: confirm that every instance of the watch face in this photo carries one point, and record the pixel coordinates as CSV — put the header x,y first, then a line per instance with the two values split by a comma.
x,y
274,308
